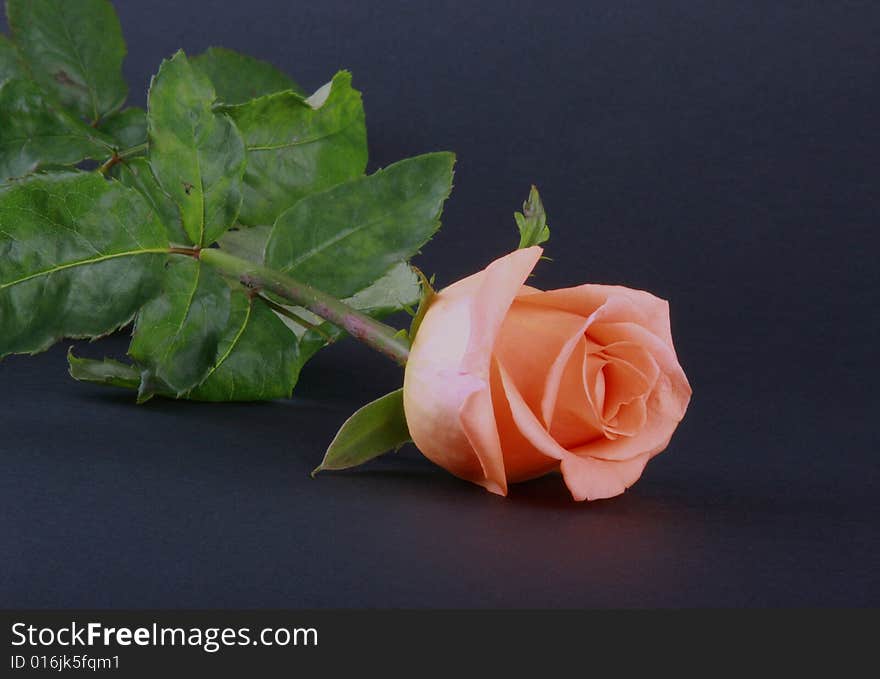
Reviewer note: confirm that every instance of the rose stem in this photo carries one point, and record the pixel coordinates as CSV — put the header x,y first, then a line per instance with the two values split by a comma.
x,y
296,318
383,338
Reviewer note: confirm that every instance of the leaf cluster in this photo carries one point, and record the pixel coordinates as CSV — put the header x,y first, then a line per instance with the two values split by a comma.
x,y
99,200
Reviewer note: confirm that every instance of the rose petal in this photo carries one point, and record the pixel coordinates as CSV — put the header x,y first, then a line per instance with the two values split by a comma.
x,y
663,413
594,385
499,284
590,479
664,408
434,389
637,356
661,352
629,419
644,308
478,423
623,385
535,342
586,478
615,308
447,397
522,461
577,418
526,421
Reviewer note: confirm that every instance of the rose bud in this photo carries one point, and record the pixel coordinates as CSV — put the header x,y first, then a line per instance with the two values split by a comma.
x,y
506,383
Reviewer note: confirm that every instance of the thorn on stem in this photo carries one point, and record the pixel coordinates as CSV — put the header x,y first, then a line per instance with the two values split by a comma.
x,y
111,161
189,252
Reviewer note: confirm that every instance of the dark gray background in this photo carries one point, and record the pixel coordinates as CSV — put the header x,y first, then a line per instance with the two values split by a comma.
x,y
724,155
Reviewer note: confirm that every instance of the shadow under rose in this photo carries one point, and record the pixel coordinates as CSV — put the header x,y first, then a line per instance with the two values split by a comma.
x,y
408,470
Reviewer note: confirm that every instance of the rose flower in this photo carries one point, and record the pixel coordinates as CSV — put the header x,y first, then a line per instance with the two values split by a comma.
x,y
506,383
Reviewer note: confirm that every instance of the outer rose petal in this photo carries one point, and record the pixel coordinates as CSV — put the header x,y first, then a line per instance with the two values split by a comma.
x,y
446,391
589,478
499,284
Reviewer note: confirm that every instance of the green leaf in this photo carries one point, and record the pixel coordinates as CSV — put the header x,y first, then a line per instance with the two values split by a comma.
x,y
127,127
35,132
248,243
10,61
299,146
196,154
238,77
376,428
74,50
177,334
344,238
532,221
396,290
258,357
78,256
136,173
108,371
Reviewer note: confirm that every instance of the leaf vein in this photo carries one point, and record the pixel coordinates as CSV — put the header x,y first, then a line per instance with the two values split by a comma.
x,y
82,262
234,343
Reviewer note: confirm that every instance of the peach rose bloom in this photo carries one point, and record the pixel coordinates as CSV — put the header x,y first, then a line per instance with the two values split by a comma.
x,y
506,383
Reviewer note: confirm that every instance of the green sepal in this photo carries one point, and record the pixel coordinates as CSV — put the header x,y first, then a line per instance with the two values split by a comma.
x,y
426,296
532,221
377,428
